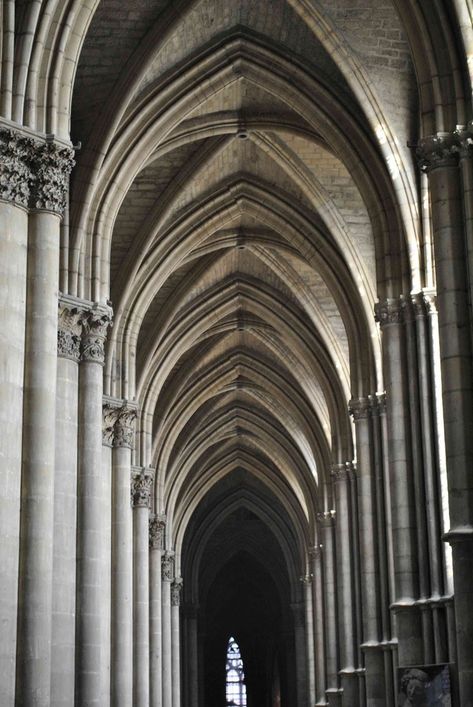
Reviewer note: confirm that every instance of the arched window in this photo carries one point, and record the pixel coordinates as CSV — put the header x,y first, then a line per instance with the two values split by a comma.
x,y
235,685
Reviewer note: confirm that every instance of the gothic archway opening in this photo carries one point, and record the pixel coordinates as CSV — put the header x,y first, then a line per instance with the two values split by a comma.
x,y
237,584
235,684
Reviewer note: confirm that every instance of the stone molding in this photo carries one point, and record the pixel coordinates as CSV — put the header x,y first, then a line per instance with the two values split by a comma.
x,y
176,588
359,408
315,552
157,526
34,173
141,487
167,566
306,579
96,325
388,312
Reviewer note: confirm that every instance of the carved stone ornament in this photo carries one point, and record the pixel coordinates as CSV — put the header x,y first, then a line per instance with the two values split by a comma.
x,y
306,579
326,518
340,472
124,429
96,325
315,552
430,301
69,331
359,408
16,175
167,567
378,403
141,486
176,588
109,417
388,312
440,150
157,525
54,165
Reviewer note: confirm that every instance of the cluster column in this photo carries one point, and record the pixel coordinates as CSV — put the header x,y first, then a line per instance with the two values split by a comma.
x,y
51,164
374,660
447,159
141,487
176,589
15,183
404,540
315,554
167,573
90,520
71,314
157,525
349,678
326,526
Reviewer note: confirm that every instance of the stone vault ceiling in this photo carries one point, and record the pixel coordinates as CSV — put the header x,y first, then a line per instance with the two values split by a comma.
x,y
243,194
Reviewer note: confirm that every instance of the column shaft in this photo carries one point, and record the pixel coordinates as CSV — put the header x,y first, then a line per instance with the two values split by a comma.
x,y
319,624
176,642
309,629
330,608
13,239
65,532
156,689
167,578
37,505
141,494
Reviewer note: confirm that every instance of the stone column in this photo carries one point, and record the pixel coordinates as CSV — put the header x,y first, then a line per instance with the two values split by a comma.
x,y
368,533
156,532
106,554
439,157
309,633
122,559
409,632
298,613
90,519
319,623
192,656
176,589
167,573
346,598
69,333
15,182
141,487
326,522
52,167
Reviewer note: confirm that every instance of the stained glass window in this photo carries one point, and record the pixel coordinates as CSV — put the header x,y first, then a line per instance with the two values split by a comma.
x,y
235,686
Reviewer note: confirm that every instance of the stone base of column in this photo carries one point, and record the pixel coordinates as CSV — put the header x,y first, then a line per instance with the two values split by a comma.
x,y
350,687
409,633
334,697
375,679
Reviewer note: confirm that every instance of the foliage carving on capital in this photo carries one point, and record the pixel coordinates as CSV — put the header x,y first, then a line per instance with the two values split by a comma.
x,y
378,403
157,525
440,150
53,167
315,552
340,472
69,332
176,588
388,311
326,518
124,428
430,301
141,487
359,408
96,325
16,175
167,566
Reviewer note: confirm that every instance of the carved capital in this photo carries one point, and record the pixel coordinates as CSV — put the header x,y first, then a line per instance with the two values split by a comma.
x,y
418,305
306,579
430,301
157,525
124,428
378,403
359,408
388,312
96,325
440,150
176,588
109,417
167,566
141,487
315,552
53,166
16,175
326,519
69,332
340,472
